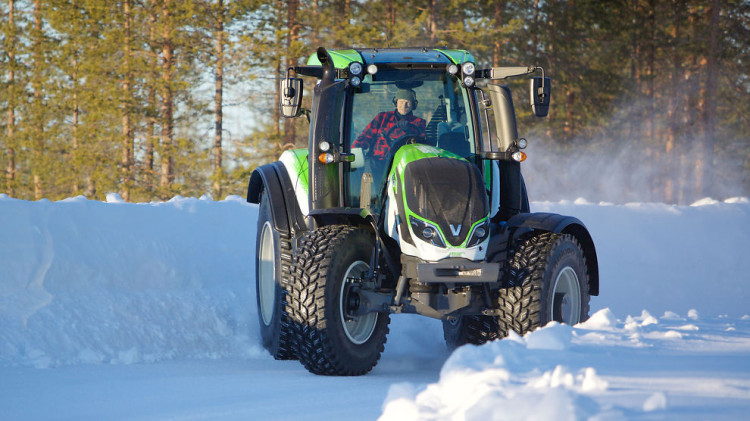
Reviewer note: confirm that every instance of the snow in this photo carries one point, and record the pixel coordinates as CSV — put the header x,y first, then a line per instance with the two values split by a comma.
x,y
114,310
603,368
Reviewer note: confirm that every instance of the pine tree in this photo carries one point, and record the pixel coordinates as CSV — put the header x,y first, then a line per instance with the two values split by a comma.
x,y
166,41
38,106
219,18
111,96
10,39
127,101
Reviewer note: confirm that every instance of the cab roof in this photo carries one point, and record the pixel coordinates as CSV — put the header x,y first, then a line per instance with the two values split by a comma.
x,y
342,58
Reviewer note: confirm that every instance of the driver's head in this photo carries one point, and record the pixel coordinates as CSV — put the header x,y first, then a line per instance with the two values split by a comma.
x,y
406,101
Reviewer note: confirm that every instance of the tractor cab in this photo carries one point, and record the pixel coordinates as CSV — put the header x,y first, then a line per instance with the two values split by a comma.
x,y
438,116
348,166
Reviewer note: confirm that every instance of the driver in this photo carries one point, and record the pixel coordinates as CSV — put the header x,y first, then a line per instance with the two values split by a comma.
x,y
388,126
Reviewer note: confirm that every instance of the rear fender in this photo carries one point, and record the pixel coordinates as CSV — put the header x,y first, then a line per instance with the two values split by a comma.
x,y
560,224
285,211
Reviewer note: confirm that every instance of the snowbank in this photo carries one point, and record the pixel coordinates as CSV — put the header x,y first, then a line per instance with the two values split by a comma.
x,y
643,367
668,258
91,282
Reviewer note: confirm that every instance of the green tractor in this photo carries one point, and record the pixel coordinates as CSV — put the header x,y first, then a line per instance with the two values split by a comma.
x,y
408,199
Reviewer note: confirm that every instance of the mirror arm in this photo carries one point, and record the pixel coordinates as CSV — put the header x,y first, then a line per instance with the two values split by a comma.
x,y
541,92
314,71
499,73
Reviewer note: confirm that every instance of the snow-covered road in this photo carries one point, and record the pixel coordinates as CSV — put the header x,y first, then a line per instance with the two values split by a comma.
x,y
209,389
147,311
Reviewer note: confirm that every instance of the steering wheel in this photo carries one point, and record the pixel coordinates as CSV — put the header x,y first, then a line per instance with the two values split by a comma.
x,y
407,139
408,129
411,135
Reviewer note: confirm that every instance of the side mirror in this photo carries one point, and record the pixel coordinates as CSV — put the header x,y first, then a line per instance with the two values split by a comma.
x,y
291,97
540,95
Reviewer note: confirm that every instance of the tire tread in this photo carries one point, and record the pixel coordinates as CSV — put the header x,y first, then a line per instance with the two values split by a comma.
x,y
307,308
521,302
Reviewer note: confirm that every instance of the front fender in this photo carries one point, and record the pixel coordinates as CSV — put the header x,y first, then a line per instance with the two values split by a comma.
x,y
560,224
285,211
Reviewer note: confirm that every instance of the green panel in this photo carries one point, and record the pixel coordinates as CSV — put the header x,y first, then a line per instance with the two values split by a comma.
x,y
296,161
415,152
411,153
341,58
458,56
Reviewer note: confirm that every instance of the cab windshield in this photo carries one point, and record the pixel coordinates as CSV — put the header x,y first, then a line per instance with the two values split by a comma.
x,y
438,115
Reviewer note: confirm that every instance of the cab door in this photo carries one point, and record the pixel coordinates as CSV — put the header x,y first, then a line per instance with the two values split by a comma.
x,y
499,134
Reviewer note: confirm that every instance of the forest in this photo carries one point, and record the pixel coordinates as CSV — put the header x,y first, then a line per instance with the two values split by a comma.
x,y
157,98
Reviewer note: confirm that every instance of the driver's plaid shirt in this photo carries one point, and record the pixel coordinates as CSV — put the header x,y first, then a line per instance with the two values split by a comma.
x,y
380,125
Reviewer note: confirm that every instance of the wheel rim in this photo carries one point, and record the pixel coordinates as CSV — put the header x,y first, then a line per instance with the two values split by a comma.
x,y
566,297
359,328
266,274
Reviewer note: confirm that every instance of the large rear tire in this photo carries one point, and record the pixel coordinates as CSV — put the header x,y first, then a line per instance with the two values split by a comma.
x,y
548,281
272,273
327,262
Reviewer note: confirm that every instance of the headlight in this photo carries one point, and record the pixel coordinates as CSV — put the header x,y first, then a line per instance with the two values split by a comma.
x,y
468,81
372,69
355,81
355,69
452,69
479,233
468,68
426,232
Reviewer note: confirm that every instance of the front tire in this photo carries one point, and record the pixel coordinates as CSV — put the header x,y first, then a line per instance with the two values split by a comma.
x,y
272,273
548,281
328,261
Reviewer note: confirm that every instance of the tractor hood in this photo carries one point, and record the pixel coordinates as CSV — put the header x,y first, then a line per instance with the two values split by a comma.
x,y
442,199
